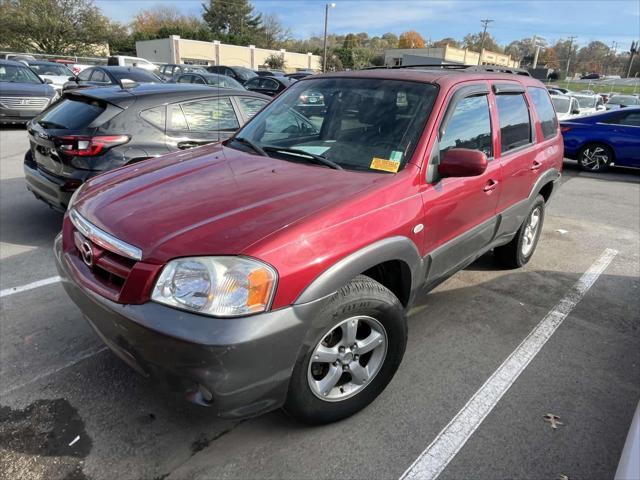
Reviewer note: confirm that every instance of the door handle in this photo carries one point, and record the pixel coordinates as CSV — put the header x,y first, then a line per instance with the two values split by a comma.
x,y
536,165
186,145
490,186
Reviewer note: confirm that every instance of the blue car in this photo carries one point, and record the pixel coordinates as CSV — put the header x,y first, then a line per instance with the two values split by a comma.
x,y
600,140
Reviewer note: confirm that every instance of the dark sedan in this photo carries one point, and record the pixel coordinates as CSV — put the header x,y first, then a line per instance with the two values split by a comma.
x,y
271,86
239,74
109,76
601,140
211,79
23,94
94,130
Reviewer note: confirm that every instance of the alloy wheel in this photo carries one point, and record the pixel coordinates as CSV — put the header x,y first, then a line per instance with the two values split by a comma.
x,y
531,231
595,158
347,358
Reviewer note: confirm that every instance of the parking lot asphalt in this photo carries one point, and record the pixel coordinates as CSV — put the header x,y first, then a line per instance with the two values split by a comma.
x,y
57,381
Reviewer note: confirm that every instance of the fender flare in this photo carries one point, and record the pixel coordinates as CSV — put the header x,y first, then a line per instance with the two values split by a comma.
x,y
393,248
551,175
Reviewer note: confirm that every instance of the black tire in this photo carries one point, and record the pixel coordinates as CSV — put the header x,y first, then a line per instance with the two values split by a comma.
x,y
362,296
511,255
595,157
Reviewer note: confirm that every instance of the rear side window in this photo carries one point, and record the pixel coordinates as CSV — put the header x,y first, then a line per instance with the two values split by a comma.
x,y
211,115
85,74
251,106
155,116
99,76
515,124
71,114
545,111
631,119
184,79
469,126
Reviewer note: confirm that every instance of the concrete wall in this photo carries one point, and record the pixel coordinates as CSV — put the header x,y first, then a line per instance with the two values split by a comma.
x,y
407,56
178,50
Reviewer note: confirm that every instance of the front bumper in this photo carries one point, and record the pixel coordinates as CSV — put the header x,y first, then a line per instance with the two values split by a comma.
x,y
240,367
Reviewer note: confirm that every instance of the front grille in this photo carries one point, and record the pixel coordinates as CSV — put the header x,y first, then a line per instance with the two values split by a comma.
x,y
24,103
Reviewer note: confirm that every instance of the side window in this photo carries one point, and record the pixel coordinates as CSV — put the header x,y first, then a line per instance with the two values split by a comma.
x,y
155,116
469,126
175,118
99,76
515,123
228,72
250,106
129,62
269,84
197,79
546,113
253,83
184,79
631,119
85,74
210,115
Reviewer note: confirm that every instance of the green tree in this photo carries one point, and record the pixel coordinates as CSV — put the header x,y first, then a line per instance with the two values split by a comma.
x,y
234,22
65,27
275,61
593,57
473,41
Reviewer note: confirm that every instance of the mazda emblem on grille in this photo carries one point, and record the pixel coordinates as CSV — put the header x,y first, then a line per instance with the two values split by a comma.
x,y
87,253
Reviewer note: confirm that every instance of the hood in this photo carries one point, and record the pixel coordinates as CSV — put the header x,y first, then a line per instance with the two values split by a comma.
x,y
211,200
26,89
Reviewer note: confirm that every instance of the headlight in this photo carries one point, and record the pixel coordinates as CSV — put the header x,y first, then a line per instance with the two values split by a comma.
x,y
74,197
216,286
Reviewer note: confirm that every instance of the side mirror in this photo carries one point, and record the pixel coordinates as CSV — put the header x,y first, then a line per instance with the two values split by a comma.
x,y
72,79
462,162
575,111
47,81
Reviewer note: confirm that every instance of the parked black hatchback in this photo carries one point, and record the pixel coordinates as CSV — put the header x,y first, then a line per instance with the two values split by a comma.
x,y
94,130
109,76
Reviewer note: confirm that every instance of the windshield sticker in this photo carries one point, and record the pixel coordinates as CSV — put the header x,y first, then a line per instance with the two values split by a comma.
x,y
385,165
395,156
312,149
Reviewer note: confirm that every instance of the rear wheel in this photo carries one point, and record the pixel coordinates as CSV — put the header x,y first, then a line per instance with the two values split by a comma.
x,y
519,251
354,359
595,157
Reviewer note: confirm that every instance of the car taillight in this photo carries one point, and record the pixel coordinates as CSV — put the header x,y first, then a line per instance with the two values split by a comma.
x,y
564,129
83,146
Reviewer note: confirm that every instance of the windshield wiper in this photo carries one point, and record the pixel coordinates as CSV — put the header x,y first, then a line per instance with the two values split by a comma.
x,y
250,144
318,159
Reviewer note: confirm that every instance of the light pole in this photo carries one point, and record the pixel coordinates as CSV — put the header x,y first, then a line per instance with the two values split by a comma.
x,y
326,21
485,23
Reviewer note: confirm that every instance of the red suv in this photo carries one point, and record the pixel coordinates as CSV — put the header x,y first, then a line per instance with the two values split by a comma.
x,y
275,268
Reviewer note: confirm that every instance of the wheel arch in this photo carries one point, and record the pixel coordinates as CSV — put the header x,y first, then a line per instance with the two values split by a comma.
x,y
394,262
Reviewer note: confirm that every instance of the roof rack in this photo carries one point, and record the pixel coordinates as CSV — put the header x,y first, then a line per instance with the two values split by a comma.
x,y
455,66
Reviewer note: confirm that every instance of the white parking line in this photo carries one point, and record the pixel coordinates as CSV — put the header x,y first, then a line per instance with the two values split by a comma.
x,y
435,458
29,286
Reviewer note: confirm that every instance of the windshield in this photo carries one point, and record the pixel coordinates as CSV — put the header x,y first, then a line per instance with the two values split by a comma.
x,y
52,69
624,100
136,75
245,73
586,102
561,104
223,81
17,74
358,124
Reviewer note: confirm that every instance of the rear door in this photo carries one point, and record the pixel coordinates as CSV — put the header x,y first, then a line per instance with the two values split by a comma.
x,y
198,122
622,131
460,212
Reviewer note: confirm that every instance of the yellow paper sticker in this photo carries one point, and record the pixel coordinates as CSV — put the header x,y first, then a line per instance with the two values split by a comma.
x,y
385,165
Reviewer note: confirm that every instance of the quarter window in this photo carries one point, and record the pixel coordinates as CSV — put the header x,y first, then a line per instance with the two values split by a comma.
x,y
85,74
211,115
99,76
545,111
515,124
154,116
469,126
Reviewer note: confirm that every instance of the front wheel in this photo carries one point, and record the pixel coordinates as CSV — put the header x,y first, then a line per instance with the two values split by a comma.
x,y
595,158
354,359
519,251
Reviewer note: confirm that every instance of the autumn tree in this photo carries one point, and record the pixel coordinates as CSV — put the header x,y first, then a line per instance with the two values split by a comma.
x,y
410,39
446,41
473,41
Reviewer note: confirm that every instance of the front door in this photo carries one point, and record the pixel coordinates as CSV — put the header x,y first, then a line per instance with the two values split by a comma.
x,y
460,212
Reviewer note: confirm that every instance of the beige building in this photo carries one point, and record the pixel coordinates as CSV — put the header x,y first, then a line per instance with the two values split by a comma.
x,y
179,50
448,54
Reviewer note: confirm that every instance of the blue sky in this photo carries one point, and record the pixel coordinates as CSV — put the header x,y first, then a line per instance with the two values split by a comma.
x,y
606,20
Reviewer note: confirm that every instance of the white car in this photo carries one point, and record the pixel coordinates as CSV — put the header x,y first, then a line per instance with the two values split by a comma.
x,y
589,103
125,61
57,73
566,106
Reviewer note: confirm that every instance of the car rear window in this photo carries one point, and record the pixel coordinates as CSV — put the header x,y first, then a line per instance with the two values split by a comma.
x,y
515,123
545,111
72,114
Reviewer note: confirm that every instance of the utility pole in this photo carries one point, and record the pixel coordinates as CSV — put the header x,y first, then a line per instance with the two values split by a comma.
x,y
326,21
633,50
485,23
571,39
612,53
